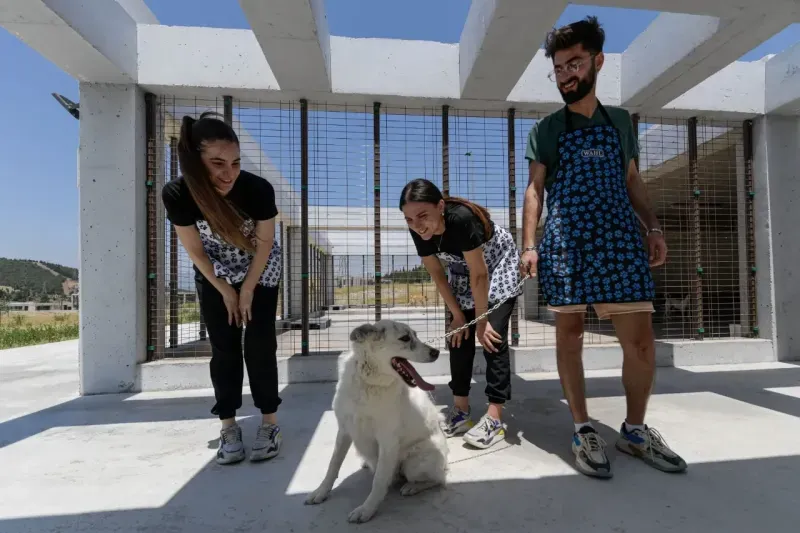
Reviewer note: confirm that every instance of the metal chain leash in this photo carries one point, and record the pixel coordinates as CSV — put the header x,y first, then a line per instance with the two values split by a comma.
x,y
484,315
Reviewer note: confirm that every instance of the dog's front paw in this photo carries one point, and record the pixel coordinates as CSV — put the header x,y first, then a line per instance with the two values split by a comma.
x,y
361,514
318,496
412,488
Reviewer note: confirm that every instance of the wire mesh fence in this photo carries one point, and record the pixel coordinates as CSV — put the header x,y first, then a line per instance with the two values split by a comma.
x,y
348,256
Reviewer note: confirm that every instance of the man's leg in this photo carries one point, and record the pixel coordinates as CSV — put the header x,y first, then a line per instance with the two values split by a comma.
x,y
569,357
634,328
587,445
635,333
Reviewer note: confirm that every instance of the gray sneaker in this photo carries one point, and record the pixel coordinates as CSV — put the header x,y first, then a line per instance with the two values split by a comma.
x,y
486,433
231,448
649,446
457,422
267,444
590,453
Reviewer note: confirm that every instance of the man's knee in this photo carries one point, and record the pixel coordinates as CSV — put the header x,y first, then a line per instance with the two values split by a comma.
x,y
569,330
639,344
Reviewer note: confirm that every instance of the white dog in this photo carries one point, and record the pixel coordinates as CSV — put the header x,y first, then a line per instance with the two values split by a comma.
x,y
382,407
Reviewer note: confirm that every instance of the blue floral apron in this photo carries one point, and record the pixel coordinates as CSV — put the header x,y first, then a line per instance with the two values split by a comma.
x,y
502,261
592,250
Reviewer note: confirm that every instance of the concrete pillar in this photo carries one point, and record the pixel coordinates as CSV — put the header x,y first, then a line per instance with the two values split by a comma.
x,y
777,206
112,200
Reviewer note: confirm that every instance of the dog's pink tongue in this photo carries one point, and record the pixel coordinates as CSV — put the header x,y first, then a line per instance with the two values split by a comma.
x,y
421,383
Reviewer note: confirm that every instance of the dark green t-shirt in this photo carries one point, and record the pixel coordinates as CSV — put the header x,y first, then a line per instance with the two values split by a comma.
x,y
543,137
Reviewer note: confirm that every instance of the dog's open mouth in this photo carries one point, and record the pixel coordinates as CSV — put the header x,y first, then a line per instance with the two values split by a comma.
x,y
410,374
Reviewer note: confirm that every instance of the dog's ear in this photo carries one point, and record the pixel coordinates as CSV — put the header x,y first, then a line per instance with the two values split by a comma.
x,y
363,332
366,331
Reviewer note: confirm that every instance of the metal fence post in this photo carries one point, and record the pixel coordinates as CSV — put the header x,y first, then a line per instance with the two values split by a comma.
x,y
151,115
304,340
751,225
696,228
173,254
445,179
376,168
512,208
227,109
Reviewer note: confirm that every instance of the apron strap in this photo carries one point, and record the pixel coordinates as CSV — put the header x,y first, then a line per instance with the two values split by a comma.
x,y
568,116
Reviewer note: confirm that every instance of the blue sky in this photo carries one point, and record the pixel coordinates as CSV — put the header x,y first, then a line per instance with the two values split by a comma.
x,y
39,203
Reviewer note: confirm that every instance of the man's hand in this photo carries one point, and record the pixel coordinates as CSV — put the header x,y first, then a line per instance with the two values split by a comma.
x,y
658,249
528,263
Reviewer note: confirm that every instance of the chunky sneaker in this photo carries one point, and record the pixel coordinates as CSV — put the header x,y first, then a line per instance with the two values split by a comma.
x,y
488,432
267,443
649,446
231,448
457,422
590,454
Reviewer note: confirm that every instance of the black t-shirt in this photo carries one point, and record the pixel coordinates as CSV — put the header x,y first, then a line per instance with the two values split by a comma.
x,y
463,232
252,195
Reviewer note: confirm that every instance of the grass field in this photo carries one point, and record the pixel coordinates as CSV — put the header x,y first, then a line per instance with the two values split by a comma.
x,y
29,329
413,294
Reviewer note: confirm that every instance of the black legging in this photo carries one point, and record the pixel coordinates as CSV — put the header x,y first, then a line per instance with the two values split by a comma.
x,y
260,349
498,365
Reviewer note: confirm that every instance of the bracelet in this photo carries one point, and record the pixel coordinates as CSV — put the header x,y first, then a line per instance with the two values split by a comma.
x,y
529,249
655,230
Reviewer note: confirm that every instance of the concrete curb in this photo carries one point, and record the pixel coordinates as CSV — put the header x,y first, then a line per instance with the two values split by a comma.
x,y
192,373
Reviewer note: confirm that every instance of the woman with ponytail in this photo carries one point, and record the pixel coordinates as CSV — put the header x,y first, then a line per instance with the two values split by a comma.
x,y
483,263
225,219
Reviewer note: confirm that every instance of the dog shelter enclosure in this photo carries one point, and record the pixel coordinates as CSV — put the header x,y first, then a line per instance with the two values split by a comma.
x,y
348,257
338,125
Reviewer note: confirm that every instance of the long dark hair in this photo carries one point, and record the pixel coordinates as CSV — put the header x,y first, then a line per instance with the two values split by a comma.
x,y
221,216
422,190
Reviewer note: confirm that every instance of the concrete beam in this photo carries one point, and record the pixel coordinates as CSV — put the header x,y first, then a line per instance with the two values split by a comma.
x,y
716,8
783,82
139,11
93,43
736,91
294,37
677,52
499,39
213,62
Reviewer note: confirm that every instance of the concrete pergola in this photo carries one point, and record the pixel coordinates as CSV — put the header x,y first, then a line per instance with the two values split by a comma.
x,y
683,65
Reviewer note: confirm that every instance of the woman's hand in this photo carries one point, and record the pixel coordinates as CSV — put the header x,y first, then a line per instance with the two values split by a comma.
x,y
246,303
458,321
231,299
487,336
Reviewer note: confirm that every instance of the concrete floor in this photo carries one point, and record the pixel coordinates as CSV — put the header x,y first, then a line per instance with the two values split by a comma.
x,y
144,462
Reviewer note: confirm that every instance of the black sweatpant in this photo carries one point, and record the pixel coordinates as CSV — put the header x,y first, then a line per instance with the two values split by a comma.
x,y
260,348
498,365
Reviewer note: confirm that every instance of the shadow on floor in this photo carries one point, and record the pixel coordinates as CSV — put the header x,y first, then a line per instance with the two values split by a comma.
x,y
732,496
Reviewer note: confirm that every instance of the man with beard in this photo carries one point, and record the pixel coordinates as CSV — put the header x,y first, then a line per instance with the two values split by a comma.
x,y
585,156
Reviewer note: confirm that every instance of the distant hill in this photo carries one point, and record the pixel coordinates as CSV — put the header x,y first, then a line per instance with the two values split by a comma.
x,y
36,280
